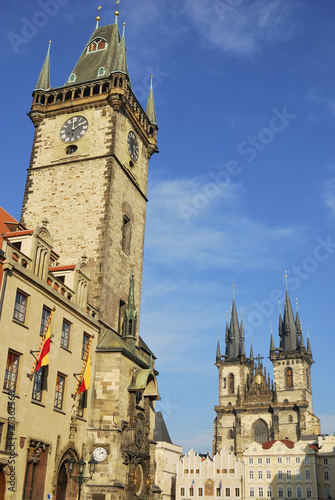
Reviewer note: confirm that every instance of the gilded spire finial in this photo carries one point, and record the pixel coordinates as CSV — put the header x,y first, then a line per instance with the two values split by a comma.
x,y
49,46
97,18
286,281
296,303
271,327
124,29
116,12
233,289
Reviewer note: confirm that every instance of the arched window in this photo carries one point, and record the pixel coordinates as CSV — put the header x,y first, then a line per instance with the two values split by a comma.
x,y
72,78
97,44
289,377
260,431
231,383
230,433
130,327
101,71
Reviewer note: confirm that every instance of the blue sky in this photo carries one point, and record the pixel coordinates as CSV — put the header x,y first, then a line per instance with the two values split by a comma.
x,y
244,184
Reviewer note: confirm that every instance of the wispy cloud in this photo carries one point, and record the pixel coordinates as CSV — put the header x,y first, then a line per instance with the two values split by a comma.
x,y
219,236
318,96
241,27
329,196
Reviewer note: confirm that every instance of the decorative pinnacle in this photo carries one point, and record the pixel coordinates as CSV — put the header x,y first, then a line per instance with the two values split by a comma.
x,y
124,29
296,303
233,289
49,46
132,268
271,327
286,280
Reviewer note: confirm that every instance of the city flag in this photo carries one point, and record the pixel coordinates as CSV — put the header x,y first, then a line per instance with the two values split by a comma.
x,y
43,360
86,380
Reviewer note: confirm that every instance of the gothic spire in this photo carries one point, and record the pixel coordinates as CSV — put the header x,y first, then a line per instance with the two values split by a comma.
x,y
234,335
130,315
289,333
150,109
120,64
43,82
218,352
309,350
242,349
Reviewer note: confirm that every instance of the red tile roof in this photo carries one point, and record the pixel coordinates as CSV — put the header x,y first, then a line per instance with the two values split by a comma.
x,y
70,267
289,444
13,234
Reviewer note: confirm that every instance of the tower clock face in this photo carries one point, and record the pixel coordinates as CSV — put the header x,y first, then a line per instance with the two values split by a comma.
x,y
133,146
99,454
74,129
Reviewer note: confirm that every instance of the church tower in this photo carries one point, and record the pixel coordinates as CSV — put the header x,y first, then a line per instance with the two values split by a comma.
x,y
292,363
89,168
251,407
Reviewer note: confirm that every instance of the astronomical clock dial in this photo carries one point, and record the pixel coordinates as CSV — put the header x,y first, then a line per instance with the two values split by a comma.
x,y
133,146
138,479
99,454
138,434
73,129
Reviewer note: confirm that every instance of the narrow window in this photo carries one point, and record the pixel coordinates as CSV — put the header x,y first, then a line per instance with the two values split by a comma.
x,y
299,492
289,377
252,491
309,492
38,385
260,474
280,474
10,437
237,492
200,492
288,460
259,460
251,474
59,392
84,348
288,474
260,491
182,492
126,235
280,492
218,492
268,474
298,474
44,320
326,475
12,367
231,383
191,491
325,461
308,473
327,492
268,460
81,404
269,491
65,338
297,460
227,492
251,460
20,307
122,308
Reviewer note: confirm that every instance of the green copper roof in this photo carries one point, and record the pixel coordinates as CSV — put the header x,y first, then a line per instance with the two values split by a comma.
x,y
89,63
150,110
43,82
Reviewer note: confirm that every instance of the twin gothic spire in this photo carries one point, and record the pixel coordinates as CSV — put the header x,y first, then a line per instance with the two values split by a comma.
x,y
290,333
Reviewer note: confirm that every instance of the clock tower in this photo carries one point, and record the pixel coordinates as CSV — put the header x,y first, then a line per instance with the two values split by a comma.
x,y
88,177
89,167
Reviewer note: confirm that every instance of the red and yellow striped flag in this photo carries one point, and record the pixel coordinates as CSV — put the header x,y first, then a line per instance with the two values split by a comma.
x,y
84,381
42,358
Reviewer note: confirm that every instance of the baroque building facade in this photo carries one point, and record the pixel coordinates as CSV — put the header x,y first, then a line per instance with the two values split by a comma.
x,y
87,182
251,407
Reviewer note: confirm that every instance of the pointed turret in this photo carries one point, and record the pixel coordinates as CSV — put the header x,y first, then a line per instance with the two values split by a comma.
x,y
218,352
120,64
234,335
150,109
242,349
272,344
251,350
289,331
130,315
43,82
309,350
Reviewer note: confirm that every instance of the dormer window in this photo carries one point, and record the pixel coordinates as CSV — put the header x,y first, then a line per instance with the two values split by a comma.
x,y
101,71
97,44
72,78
